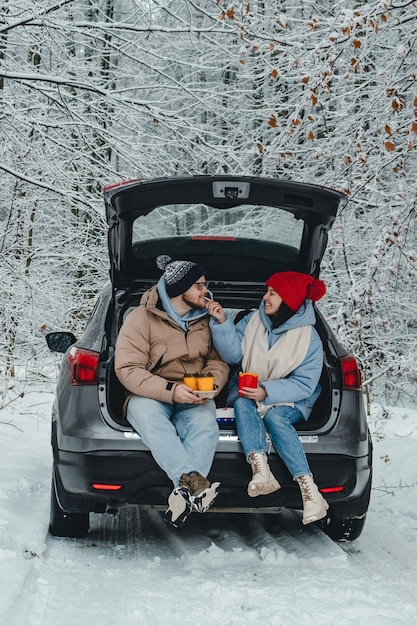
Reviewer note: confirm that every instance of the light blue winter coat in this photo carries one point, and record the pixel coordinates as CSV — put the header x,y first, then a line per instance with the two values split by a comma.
x,y
302,385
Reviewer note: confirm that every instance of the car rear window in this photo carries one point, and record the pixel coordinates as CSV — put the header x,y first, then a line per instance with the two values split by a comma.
x,y
265,223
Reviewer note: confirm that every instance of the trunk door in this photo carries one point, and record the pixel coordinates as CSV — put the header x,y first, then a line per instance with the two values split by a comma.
x,y
239,228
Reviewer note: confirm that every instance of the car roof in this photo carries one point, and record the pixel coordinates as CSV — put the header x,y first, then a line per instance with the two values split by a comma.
x,y
225,255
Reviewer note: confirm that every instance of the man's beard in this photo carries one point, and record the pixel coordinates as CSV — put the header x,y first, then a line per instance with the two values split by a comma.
x,y
195,306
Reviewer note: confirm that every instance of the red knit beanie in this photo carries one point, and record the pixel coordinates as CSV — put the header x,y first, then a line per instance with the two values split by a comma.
x,y
295,287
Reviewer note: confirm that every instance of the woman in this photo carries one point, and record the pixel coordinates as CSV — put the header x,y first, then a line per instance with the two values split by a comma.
x,y
280,343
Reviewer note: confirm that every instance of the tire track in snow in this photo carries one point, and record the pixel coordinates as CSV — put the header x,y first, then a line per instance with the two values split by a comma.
x,y
383,544
130,564
31,598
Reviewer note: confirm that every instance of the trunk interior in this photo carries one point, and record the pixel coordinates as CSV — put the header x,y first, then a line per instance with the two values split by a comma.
x,y
250,296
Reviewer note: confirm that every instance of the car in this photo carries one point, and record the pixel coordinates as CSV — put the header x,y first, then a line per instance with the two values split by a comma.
x,y
241,229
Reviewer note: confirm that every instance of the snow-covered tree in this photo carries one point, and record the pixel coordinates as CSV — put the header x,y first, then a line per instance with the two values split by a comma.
x,y
94,91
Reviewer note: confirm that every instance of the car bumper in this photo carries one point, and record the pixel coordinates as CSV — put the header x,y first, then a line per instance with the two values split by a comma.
x,y
144,483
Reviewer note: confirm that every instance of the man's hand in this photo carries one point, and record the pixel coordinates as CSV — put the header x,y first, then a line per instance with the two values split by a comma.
x,y
215,309
183,394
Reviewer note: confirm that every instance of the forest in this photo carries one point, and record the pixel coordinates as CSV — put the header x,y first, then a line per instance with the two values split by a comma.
x,y
93,92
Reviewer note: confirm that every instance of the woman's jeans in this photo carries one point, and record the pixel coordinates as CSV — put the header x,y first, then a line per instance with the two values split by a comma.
x,y
278,421
181,437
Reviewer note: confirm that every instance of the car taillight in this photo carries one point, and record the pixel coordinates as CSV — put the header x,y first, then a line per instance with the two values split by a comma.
x,y
351,374
106,486
336,489
83,366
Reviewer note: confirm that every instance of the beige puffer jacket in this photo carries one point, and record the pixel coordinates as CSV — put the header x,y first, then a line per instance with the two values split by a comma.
x,y
152,351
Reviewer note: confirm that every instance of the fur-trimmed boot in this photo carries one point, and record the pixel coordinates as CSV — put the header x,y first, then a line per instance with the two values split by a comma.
x,y
202,493
314,505
263,481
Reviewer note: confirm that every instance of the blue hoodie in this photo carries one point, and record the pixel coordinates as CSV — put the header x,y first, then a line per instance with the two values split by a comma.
x,y
182,322
301,386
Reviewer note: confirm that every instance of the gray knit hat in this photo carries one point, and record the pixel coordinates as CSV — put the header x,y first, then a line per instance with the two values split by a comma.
x,y
179,275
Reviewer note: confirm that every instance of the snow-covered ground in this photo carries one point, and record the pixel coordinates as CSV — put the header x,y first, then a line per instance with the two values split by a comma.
x,y
219,569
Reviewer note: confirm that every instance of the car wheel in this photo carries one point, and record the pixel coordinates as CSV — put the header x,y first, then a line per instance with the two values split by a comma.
x,y
344,529
64,524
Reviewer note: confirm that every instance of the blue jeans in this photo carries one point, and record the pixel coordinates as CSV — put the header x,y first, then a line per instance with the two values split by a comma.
x,y
278,421
181,437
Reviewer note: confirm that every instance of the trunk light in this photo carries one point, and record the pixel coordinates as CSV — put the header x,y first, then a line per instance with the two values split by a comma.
x,y
83,365
352,377
106,487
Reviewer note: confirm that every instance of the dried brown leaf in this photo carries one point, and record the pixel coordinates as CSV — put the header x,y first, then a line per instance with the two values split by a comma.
x,y
273,122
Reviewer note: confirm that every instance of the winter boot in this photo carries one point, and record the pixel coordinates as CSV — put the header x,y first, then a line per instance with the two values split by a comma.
x,y
314,505
202,493
263,481
179,507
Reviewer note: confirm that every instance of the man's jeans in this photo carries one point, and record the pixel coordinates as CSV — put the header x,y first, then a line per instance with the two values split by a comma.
x,y
278,421
181,437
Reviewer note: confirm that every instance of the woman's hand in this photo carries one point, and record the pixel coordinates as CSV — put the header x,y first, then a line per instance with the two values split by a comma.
x,y
253,393
216,310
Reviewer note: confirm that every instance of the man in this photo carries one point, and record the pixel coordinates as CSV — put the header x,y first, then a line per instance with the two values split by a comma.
x,y
165,338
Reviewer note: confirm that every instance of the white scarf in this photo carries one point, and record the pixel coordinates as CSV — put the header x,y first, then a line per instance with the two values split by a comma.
x,y
283,358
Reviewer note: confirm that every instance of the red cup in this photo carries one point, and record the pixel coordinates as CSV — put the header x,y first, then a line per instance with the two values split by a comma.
x,y
247,379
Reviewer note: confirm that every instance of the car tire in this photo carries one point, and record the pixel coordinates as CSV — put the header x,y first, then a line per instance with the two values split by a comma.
x,y
62,524
344,529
